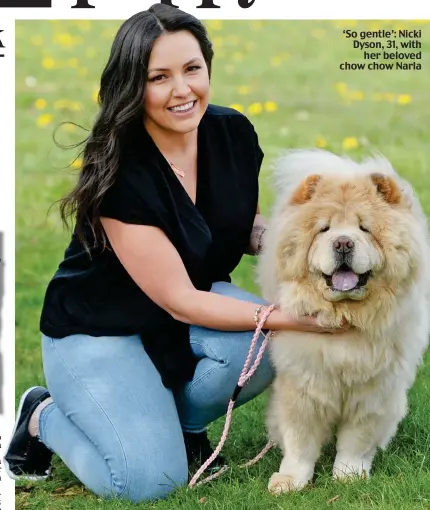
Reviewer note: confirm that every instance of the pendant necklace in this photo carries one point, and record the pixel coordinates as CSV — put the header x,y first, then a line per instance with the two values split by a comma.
x,y
177,170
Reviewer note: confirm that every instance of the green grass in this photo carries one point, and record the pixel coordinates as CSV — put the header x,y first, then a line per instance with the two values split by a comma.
x,y
296,66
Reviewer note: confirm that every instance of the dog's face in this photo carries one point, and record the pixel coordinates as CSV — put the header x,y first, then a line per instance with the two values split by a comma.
x,y
347,238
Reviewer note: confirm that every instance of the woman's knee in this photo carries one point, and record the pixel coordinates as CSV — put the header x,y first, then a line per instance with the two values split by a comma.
x,y
230,368
157,480
263,374
155,459
148,478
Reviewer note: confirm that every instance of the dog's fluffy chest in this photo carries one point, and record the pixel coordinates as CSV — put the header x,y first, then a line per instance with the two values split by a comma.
x,y
332,360
338,374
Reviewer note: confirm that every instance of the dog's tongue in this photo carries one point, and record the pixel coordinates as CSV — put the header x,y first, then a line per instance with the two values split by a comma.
x,y
344,280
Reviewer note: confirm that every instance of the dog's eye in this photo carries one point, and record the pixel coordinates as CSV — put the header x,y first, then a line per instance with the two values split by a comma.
x,y
325,229
364,229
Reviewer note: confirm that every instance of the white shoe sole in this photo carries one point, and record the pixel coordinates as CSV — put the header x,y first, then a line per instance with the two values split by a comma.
x,y
9,473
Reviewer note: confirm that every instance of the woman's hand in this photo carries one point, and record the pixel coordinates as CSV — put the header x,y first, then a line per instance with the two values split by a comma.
x,y
309,324
278,320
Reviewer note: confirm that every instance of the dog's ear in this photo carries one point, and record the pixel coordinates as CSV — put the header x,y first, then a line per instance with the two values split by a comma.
x,y
306,190
387,188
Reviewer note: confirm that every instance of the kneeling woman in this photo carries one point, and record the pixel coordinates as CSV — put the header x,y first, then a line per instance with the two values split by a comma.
x,y
144,336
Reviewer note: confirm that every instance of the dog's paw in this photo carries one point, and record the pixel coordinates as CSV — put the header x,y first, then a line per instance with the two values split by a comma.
x,y
328,320
280,483
350,474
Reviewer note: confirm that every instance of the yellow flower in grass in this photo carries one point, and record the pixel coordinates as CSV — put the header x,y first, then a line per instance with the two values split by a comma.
x,y
221,53
255,108
237,56
109,33
66,104
73,62
318,33
70,128
95,95
388,96
345,23
78,40
356,95
214,24
375,25
256,25
91,53
350,143
244,90
62,104
270,106
276,61
217,42
341,87
404,99
321,142
75,106
64,39
232,40
37,40
48,63
238,107
44,120
40,104
77,163
83,24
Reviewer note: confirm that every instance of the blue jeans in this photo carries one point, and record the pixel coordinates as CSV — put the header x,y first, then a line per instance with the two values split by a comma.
x,y
115,425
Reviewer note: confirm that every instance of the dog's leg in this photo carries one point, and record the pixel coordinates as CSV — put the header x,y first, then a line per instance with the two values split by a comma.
x,y
301,433
301,451
352,464
358,440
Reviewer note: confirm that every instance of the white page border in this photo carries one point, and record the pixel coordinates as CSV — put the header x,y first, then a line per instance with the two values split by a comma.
x,y
61,9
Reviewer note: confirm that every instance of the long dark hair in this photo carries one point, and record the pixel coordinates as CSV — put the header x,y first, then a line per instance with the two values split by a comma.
x,y
121,97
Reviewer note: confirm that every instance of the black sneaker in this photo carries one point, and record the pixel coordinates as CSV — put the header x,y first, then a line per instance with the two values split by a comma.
x,y
26,457
199,450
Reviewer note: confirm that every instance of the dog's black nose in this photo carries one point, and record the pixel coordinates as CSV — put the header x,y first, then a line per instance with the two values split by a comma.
x,y
343,244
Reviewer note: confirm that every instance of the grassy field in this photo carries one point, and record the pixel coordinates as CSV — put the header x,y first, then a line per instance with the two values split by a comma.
x,y
285,75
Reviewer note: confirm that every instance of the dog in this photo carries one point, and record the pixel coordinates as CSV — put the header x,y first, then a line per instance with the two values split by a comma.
x,y
347,241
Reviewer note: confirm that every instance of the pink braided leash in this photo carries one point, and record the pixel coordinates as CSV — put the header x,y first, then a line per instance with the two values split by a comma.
x,y
245,375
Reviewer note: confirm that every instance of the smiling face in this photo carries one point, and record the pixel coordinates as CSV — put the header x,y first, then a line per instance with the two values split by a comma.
x,y
345,253
349,238
177,91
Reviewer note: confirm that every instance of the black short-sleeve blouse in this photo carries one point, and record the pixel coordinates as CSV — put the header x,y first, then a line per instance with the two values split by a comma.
x,y
96,296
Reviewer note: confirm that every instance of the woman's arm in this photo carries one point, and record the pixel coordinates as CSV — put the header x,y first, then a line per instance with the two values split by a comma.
x,y
155,265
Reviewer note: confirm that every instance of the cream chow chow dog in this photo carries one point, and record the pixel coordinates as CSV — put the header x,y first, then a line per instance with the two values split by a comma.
x,y
346,241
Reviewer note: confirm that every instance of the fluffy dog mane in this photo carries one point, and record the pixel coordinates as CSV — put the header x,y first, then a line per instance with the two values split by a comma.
x,y
292,168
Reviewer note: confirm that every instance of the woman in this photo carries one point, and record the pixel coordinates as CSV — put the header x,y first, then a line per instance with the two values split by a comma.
x,y
143,335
